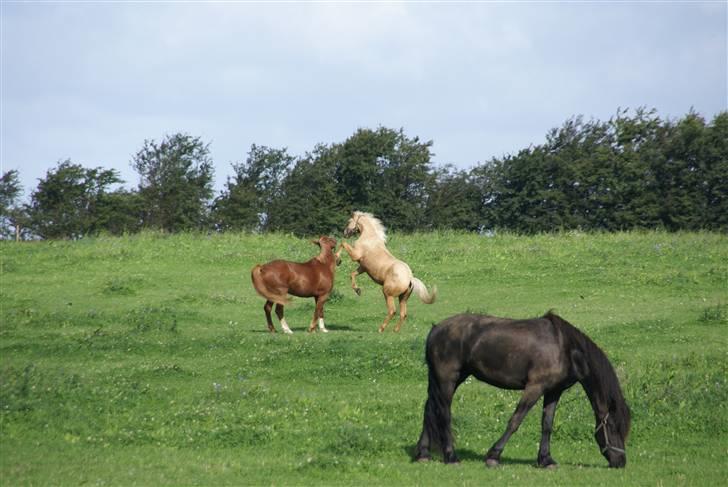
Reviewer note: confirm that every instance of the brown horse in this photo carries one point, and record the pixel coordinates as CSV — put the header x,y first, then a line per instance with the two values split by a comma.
x,y
312,279
374,258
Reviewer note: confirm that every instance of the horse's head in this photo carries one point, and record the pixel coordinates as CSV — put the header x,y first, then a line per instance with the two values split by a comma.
x,y
327,245
365,224
610,436
352,226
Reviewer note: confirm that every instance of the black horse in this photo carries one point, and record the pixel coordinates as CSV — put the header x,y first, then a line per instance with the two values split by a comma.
x,y
541,356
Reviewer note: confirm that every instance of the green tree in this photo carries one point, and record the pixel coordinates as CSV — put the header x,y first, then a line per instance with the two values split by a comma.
x,y
387,173
309,202
119,212
10,190
65,203
247,200
454,200
13,215
713,182
176,182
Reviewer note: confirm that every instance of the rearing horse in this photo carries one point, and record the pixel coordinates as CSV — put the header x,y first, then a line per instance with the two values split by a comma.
x,y
392,274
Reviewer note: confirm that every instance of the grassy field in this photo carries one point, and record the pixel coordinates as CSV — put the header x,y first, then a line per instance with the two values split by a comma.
x,y
145,361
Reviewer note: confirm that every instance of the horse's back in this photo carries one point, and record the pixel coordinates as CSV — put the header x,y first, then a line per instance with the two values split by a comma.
x,y
500,351
275,270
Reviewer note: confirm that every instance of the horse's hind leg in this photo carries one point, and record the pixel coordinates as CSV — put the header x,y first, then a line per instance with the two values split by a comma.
x,y
267,307
391,310
436,425
550,400
403,308
530,395
279,314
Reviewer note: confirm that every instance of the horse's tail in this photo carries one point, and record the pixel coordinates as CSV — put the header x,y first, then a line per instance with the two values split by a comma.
x,y
258,278
421,290
436,422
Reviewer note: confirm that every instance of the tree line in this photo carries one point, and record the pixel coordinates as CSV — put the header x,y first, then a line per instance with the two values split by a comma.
x,y
634,171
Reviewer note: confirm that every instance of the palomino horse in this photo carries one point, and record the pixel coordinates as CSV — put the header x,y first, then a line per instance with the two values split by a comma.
x,y
315,278
543,357
392,274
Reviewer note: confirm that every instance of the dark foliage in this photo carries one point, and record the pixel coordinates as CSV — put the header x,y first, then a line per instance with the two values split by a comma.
x,y
65,205
13,216
176,182
634,171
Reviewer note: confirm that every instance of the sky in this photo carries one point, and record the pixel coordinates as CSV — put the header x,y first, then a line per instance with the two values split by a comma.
x,y
91,81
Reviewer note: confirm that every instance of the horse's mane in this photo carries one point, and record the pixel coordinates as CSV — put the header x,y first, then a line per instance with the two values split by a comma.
x,y
601,370
375,222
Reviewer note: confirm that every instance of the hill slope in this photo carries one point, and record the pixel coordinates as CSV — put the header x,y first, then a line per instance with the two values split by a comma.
x,y
146,359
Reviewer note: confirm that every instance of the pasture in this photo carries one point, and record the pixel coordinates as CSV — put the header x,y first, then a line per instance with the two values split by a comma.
x,y
146,360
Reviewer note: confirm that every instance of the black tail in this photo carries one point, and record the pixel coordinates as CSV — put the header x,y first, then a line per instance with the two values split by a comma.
x,y
436,422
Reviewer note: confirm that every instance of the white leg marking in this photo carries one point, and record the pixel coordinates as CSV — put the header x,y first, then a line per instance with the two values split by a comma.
x,y
322,327
284,325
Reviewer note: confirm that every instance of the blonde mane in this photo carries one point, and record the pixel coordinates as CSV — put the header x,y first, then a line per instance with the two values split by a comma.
x,y
376,224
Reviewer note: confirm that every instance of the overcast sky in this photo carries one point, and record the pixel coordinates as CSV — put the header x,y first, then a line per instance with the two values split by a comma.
x,y
90,81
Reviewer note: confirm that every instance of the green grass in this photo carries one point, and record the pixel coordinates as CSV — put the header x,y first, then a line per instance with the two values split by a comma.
x,y
145,360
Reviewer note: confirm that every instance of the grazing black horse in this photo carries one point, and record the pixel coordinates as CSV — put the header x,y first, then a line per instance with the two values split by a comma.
x,y
543,357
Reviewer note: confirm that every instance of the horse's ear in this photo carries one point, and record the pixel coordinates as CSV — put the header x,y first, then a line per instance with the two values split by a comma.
x,y
579,364
316,242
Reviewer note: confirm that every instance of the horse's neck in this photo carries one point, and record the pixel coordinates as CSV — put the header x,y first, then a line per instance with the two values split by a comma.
x,y
371,246
327,258
596,393
369,235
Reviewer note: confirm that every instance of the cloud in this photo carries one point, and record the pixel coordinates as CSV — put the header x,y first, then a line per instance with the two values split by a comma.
x,y
92,81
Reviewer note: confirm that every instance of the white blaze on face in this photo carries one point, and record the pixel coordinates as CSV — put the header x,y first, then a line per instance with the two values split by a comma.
x,y
321,325
284,325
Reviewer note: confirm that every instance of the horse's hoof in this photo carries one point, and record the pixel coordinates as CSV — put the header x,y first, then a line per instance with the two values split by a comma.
x,y
423,459
451,459
491,463
357,291
324,330
551,466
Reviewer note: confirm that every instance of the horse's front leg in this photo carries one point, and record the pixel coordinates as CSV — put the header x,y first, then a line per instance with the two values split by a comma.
x,y
318,314
550,400
354,286
353,252
528,399
356,256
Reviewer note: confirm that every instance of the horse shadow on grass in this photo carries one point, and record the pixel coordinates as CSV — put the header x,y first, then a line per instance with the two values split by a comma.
x,y
304,329
466,455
